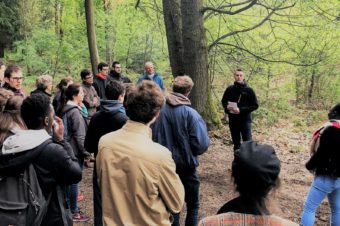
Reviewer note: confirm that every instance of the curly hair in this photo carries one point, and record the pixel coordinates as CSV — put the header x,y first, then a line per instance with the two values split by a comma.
x,y
34,109
43,81
144,102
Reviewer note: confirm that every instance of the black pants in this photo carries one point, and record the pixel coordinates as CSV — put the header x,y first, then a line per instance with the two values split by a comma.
x,y
97,200
191,183
238,128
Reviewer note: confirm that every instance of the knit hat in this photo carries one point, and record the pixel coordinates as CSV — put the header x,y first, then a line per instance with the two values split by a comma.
x,y
255,165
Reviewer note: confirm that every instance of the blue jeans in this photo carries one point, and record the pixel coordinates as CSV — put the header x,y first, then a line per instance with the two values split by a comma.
x,y
322,186
238,128
72,192
191,185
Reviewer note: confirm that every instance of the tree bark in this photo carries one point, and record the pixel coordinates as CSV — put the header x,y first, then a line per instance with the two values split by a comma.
x,y
195,57
91,35
173,28
109,31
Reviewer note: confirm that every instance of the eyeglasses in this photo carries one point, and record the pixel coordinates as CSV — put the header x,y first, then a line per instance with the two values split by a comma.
x,y
89,77
17,78
105,69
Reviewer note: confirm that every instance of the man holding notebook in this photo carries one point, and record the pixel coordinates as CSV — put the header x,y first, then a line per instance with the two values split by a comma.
x,y
238,101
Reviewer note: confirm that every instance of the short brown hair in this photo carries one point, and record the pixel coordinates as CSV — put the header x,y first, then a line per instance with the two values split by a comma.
x,y
182,84
144,102
10,69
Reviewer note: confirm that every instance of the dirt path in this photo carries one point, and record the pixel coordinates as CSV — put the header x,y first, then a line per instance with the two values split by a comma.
x,y
217,186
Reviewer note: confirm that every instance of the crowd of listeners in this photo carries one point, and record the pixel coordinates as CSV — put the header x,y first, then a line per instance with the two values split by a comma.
x,y
144,142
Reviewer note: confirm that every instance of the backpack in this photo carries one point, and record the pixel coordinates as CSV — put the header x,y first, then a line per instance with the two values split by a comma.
x,y
315,143
21,199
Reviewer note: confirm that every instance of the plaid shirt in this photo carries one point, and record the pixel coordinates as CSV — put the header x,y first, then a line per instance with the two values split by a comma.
x,y
239,219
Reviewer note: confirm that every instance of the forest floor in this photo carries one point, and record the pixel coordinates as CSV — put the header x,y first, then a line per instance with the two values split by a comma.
x,y
291,146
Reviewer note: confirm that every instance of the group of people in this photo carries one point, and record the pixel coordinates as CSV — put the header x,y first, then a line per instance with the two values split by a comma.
x,y
146,142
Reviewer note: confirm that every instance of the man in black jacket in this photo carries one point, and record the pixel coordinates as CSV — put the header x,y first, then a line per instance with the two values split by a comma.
x,y
238,101
110,117
56,165
116,73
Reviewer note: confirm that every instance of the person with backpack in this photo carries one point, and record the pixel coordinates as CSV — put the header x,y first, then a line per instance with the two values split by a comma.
x,y
325,164
34,162
75,124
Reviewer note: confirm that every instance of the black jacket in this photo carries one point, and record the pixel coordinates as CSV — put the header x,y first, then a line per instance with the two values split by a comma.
x,y
39,91
114,76
55,165
326,160
111,117
245,98
99,85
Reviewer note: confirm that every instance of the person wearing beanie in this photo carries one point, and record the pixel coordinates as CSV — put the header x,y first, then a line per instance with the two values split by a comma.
x,y
325,164
255,170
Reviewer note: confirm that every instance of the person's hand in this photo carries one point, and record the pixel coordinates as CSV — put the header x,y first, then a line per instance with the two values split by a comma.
x,y
230,108
58,129
236,110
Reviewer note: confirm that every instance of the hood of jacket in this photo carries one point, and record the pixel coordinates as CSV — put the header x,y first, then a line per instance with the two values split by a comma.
x,y
112,106
23,140
19,150
175,99
68,107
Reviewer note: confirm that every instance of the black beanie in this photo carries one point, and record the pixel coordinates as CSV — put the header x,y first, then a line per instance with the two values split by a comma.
x,y
256,165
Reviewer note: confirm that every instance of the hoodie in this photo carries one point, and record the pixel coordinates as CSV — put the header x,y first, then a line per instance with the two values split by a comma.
x,y
55,165
182,130
109,118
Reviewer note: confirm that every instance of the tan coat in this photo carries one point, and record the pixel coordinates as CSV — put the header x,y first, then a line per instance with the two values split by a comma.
x,y
137,178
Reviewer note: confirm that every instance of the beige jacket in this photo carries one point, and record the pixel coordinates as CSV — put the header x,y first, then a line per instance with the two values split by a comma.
x,y
137,178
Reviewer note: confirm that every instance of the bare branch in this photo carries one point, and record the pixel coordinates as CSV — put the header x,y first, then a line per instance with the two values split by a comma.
x,y
268,60
217,41
137,4
221,8
250,28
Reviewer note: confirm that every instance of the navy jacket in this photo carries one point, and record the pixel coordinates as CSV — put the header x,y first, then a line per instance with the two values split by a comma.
x,y
182,130
111,117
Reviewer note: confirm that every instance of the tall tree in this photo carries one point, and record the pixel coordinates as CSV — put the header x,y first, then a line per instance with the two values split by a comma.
x,y
195,57
91,35
173,27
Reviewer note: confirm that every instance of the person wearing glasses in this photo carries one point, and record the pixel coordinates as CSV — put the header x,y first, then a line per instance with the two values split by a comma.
x,y
13,80
100,79
91,98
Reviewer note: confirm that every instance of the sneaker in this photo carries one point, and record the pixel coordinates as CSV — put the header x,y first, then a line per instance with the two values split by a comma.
x,y
80,197
79,217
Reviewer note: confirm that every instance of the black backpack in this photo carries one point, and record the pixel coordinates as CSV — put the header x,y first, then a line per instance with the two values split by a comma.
x,y
22,202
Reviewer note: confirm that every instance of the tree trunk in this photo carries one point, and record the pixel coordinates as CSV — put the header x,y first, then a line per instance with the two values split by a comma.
x,y
109,31
91,35
311,87
173,28
195,57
